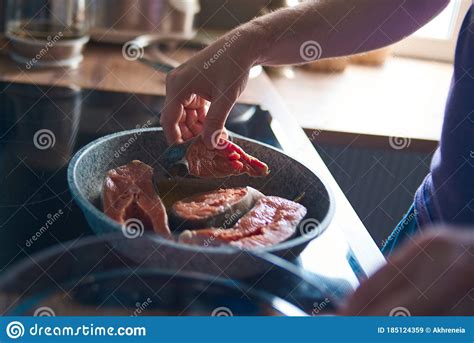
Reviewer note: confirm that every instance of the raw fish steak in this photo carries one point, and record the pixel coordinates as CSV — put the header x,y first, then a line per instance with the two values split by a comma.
x,y
271,221
128,193
226,160
218,208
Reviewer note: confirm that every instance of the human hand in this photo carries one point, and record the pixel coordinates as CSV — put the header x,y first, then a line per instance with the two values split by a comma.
x,y
201,92
431,275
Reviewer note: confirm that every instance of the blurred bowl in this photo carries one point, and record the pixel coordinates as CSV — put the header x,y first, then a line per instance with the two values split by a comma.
x,y
29,52
120,21
95,277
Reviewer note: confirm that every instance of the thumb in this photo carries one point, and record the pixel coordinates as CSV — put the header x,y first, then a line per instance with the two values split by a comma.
x,y
215,120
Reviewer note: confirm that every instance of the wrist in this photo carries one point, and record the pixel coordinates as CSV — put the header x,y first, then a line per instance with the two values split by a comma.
x,y
255,41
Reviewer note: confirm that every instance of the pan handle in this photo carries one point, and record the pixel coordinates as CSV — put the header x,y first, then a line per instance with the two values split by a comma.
x,y
314,294
160,66
157,59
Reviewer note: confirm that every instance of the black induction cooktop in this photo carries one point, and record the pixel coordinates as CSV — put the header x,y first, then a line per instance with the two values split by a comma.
x,y
41,128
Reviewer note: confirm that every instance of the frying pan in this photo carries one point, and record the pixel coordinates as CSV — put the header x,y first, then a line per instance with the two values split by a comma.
x,y
288,179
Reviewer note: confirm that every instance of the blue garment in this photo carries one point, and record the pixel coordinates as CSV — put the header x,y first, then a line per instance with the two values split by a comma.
x,y
447,193
407,227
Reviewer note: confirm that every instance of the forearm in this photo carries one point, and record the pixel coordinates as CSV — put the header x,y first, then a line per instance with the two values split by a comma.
x,y
340,27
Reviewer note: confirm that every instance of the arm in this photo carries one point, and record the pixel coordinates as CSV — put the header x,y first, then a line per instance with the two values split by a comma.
x,y
341,27
219,73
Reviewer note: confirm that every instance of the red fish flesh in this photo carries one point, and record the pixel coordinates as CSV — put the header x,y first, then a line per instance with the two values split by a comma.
x,y
218,208
271,221
226,160
128,193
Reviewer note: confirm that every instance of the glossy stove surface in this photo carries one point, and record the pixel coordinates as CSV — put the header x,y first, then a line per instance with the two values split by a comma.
x,y
40,130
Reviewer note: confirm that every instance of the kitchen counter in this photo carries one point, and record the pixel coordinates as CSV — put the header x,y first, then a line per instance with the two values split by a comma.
x,y
403,98
104,68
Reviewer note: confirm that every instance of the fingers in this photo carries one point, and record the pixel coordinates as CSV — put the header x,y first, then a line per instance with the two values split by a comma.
x,y
193,122
202,112
422,278
385,282
171,115
186,133
185,114
414,298
196,102
183,118
371,291
216,118
173,111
